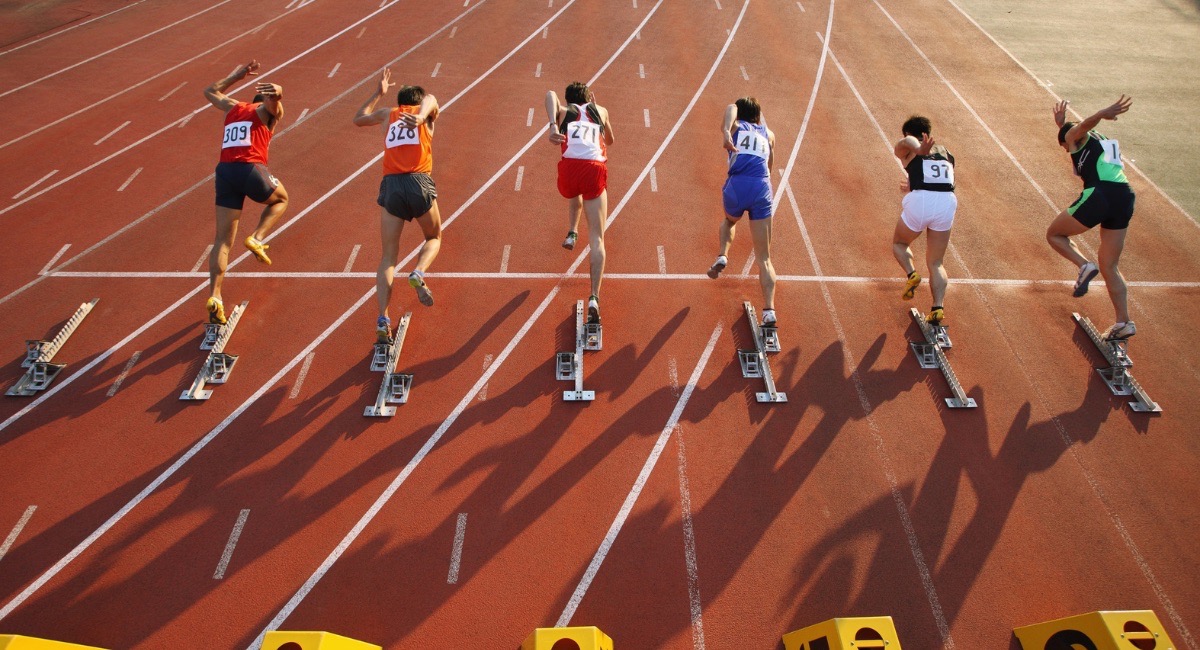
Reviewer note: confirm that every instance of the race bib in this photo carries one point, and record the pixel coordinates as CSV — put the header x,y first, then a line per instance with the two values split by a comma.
x,y
752,143
585,132
237,134
399,135
938,172
1112,153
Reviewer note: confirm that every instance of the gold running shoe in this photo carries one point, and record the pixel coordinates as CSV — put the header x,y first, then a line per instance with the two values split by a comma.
x,y
910,286
216,311
259,249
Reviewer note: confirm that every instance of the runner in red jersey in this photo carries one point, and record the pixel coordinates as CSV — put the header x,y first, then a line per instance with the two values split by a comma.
x,y
242,172
581,127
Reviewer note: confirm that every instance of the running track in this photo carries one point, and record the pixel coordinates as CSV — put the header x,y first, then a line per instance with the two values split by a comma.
x,y
674,511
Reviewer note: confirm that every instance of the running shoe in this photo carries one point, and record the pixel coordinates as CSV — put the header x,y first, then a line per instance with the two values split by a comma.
x,y
1086,273
383,330
593,310
216,311
935,316
417,281
259,249
714,271
769,318
569,242
1120,331
910,285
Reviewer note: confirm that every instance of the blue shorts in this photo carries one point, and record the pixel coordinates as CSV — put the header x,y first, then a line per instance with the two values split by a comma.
x,y
747,193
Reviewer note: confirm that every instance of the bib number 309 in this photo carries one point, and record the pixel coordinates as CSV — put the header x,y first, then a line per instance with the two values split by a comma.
x,y
400,135
237,134
938,172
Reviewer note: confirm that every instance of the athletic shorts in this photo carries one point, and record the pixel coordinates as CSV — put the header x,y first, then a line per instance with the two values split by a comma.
x,y
586,178
1108,205
407,196
743,194
238,180
925,209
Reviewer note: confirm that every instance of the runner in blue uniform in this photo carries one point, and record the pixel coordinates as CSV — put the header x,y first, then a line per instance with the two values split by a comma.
x,y
751,146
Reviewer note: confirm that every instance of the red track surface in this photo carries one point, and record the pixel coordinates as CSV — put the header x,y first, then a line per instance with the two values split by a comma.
x,y
1052,498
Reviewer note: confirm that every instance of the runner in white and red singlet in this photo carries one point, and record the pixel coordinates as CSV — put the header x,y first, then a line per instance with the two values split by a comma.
x,y
242,172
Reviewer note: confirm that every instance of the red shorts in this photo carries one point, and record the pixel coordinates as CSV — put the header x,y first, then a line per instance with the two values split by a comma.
x,y
586,178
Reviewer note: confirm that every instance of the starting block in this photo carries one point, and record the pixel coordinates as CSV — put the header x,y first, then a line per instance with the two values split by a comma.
x,y
18,642
859,633
754,362
1128,630
39,353
312,641
1117,376
395,386
930,355
218,365
567,638
568,366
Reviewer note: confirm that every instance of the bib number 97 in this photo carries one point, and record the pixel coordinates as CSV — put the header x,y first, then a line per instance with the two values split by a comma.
x,y
938,172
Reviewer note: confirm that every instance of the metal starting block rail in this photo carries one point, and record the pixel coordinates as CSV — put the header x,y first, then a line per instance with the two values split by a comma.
x,y
569,365
218,365
395,385
930,355
1117,376
39,353
754,362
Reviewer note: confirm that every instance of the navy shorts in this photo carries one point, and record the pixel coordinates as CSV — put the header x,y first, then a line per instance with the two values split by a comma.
x,y
1108,205
407,196
747,194
238,180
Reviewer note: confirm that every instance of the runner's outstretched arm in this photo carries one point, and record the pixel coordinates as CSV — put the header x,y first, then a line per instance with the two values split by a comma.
x,y
554,111
367,115
215,93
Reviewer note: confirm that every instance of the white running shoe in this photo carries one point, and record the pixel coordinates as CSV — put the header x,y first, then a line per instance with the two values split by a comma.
x,y
1086,273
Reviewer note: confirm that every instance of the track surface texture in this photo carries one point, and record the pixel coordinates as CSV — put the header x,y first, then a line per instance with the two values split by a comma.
x,y
674,511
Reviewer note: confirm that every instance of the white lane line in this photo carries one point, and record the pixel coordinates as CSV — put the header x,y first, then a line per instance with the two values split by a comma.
x,y
546,33
646,116
642,70
303,374
353,256
520,175
129,180
60,33
133,359
800,5
453,31
203,259
303,113
653,180
172,91
529,118
35,184
718,4
487,362
635,4
383,2
538,72
504,259
50,264
744,75
111,50
335,69
12,535
436,68
233,539
182,123
689,539
289,5
361,32
662,261
637,35
634,492
748,266
460,532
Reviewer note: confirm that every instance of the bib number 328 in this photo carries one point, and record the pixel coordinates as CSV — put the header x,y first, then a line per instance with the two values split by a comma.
x,y
938,172
399,135
237,134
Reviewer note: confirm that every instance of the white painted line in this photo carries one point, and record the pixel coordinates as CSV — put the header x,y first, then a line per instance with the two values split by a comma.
x,y
361,32
637,35
129,180
182,123
172,91
60,33
353,256
35,184
436,68
653,180
529,118
203,259
749,265
662,261
520,175
635,4
50,264
642,70
646,116
689,538
504,259
718,4
111,50
383,2
538,72
634,492
303,374
744,75
546,33
453,31
800,5
12,535
487,362
289,5
460,532
233,539
303,113
133,359
335,69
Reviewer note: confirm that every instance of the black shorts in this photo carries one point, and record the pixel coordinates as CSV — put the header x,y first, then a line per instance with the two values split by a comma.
x,y
1108,205
237,180
407,196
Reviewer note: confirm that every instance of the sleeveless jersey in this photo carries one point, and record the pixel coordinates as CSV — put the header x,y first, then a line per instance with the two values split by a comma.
x,y
934,172
1099,159
246,138
407,150
585,140
753,150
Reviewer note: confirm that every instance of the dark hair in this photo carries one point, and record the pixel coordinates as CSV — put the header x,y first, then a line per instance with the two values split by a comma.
x,y
578,93
916,126
748,109
410,95
1062,131
258,99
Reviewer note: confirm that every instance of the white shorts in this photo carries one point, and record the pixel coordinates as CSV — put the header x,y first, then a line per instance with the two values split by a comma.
x,y
933,210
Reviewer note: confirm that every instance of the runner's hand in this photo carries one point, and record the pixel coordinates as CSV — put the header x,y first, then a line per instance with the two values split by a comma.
x,y
926,145
555,137
904,186
1111,112
412,120
250,69
728,144
385,82
1060,113
269,90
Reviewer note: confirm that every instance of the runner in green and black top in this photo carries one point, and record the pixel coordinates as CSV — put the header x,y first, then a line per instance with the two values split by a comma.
x,y
1106,201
